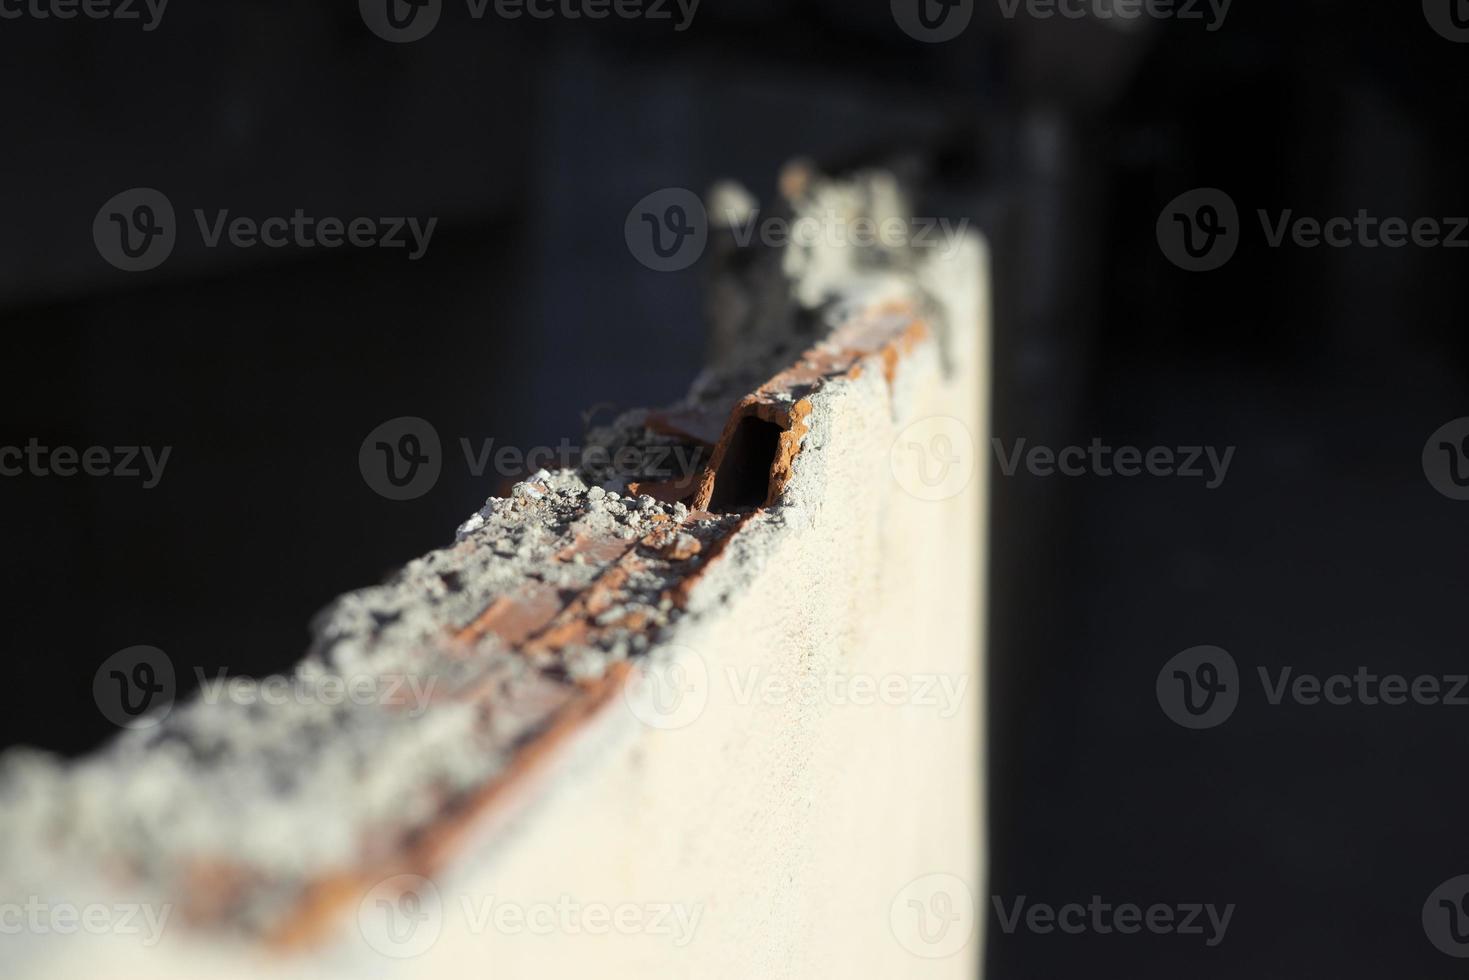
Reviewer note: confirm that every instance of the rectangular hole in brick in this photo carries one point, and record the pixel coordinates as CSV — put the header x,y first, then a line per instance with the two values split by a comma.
x,y
743,480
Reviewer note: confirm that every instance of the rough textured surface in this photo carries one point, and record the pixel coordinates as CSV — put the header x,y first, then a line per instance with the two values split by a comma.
x,y
259,800
240,814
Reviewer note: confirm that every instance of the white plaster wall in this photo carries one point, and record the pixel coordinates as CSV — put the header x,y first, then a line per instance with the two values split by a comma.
x,y
762,825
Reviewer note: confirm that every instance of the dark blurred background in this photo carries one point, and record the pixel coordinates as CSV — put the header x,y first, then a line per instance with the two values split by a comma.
x,y
1325,549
